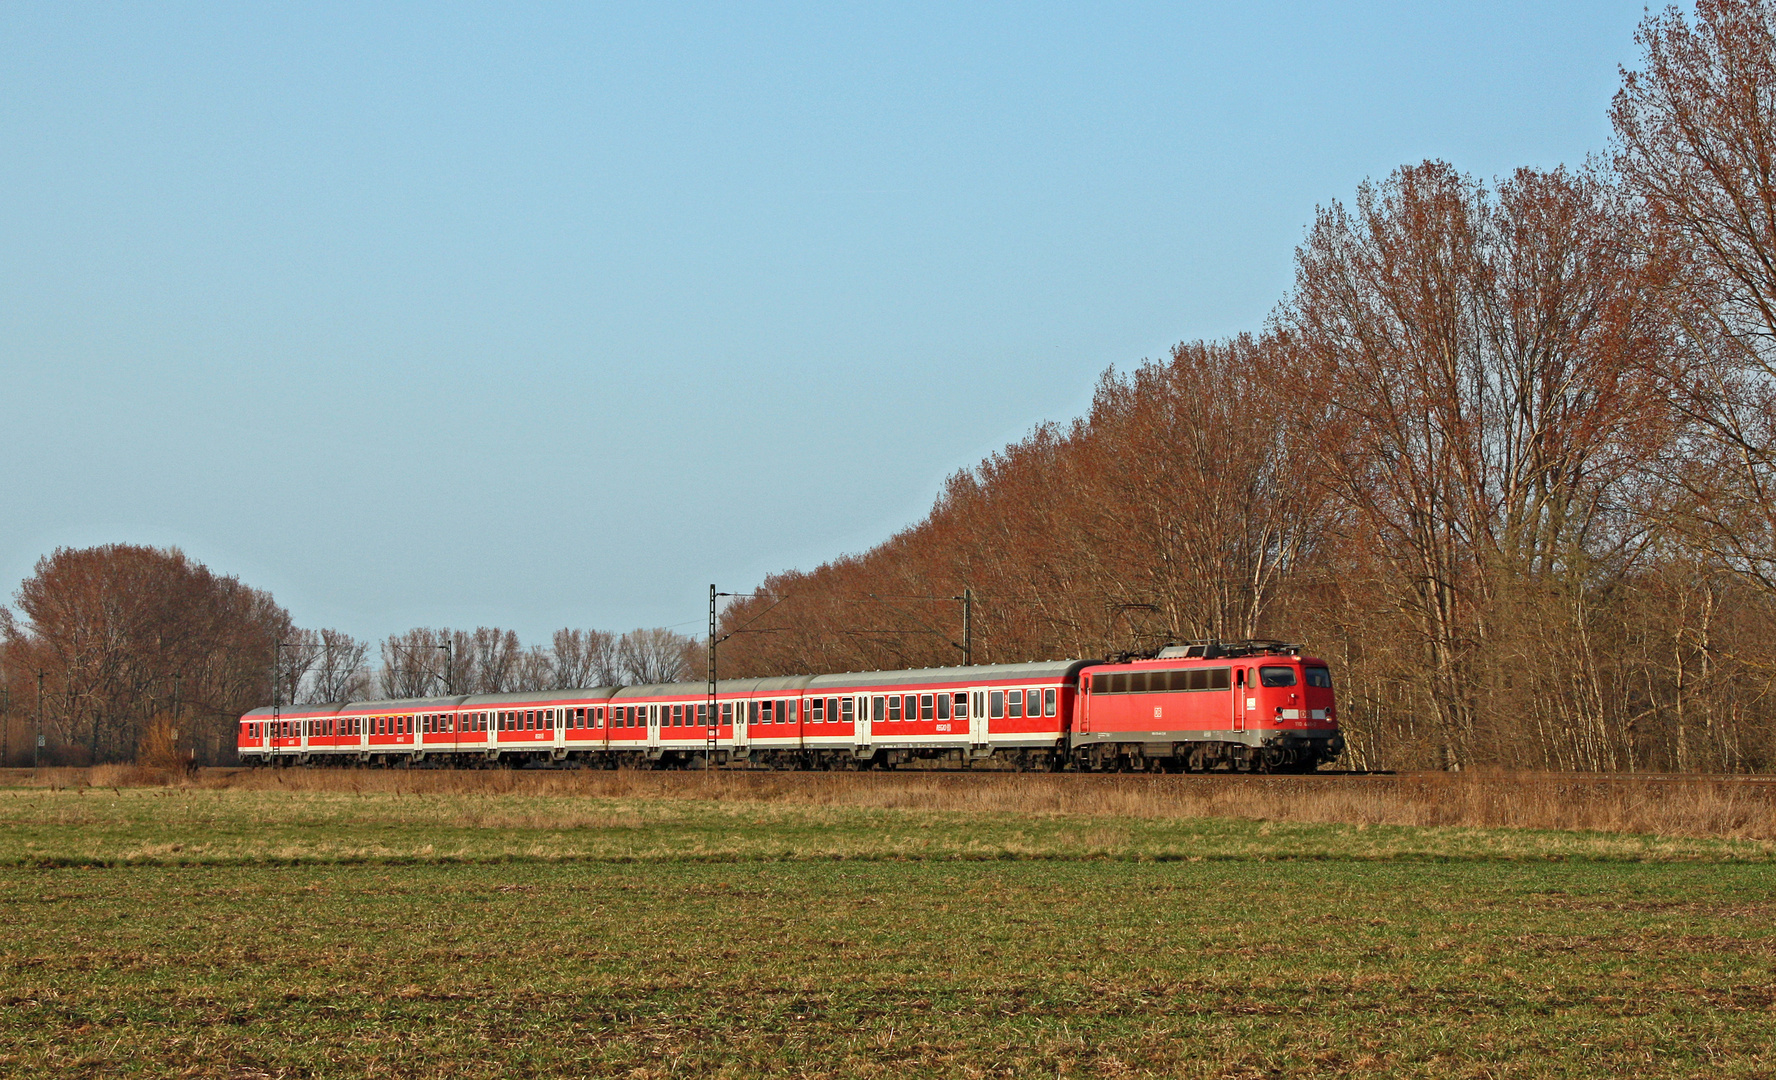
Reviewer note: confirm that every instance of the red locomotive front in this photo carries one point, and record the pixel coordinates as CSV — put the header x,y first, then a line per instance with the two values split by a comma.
x,y
1251,706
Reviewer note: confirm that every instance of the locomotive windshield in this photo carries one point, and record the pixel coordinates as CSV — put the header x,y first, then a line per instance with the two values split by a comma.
x,y
1319,676
1276,676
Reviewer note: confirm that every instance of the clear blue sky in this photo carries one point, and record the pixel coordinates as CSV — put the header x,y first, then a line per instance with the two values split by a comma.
x,y
539,316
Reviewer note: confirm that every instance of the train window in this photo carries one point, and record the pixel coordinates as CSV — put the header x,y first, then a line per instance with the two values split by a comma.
x,y
816,710
961,706
1276,676
1218,678
894,708
927,707
846,713
878,708
943,706
1014,704
1319,676
727,713
912,706
703,715
1048,702
832,710
996,705
769,715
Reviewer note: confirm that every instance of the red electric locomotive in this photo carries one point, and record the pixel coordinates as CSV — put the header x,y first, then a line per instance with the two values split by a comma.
x,y
1251,706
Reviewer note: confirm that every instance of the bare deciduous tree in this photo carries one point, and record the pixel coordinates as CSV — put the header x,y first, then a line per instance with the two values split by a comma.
x,y
414,664
1695,132
584,658
339,673
654,655
116,629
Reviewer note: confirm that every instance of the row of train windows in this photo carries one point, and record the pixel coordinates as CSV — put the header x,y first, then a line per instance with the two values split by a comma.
x,y
894,708
1160,682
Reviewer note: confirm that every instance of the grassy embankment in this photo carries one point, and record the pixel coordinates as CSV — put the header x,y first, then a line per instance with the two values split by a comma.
x,y
501,924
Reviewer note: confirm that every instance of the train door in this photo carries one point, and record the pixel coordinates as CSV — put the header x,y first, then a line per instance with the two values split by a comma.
x,y
651,717
978,731
745,712
1082,705
862,724
559,735
1244,697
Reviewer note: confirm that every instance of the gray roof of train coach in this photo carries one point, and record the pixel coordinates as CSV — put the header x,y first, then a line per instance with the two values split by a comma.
x,y
495,701
327,709
722,686
381,705
1044,670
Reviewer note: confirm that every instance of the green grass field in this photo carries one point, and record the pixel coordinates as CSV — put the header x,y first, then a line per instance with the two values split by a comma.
x,y
249,933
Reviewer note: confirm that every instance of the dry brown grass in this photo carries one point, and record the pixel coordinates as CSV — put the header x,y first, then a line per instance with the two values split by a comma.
x,y
1696,806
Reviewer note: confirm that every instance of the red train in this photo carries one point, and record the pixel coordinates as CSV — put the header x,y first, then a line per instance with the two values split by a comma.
x,y
1250,706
